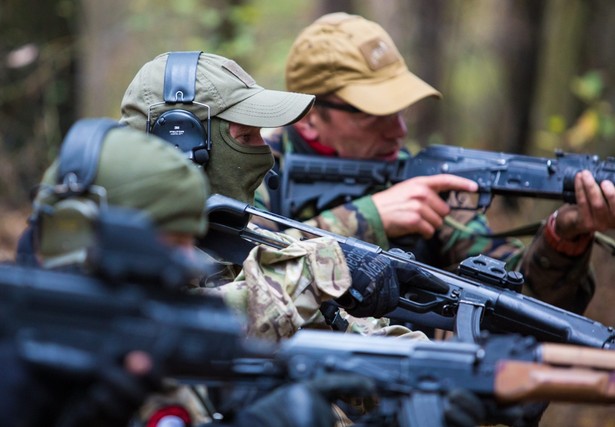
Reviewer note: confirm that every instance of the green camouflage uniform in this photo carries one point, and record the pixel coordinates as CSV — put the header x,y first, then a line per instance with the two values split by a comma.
x,y
550,276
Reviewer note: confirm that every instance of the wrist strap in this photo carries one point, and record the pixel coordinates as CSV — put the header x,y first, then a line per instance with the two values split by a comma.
x,y
573,247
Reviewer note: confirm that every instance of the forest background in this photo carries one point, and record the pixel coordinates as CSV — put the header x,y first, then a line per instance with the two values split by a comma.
x,y
520,76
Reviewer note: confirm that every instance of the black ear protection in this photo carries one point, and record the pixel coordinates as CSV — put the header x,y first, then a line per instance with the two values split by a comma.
x,y
180,127
77,169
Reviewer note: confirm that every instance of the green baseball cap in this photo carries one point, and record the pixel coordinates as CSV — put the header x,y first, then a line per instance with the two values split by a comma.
x,y
229,91
356,60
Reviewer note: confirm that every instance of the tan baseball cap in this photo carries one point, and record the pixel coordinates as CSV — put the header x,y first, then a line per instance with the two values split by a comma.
x,y
229,91
357,60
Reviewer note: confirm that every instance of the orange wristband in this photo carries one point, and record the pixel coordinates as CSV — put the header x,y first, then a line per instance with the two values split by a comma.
x,y
573,247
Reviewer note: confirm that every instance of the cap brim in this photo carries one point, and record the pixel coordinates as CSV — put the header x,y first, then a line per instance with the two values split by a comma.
x,y
389,96
269,108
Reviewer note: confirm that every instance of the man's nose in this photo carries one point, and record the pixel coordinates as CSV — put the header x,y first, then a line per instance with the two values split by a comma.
x,y
396,127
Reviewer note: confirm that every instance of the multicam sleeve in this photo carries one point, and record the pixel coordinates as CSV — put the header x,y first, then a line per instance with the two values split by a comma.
x,y
280,290
464,235
380,327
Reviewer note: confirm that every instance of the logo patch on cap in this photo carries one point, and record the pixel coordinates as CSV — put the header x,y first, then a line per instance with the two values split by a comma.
x,y
378,53
239,72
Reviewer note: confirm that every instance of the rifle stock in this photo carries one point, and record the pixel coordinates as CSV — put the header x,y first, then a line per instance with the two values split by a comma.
x,y
327,182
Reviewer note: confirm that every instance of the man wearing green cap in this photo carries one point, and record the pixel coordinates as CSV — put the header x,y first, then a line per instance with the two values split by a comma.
x,y
131,170
280,290
362,85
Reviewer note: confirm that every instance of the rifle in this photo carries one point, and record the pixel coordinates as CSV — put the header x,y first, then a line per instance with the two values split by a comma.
x,y
481,296
73,324
327,182
412,377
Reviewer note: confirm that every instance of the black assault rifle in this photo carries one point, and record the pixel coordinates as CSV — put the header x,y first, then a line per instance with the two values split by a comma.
x,y
75,324
412,378
326,182
482,296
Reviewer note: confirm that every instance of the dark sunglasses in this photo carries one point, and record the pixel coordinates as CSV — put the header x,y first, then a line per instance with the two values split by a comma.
x,y
337,106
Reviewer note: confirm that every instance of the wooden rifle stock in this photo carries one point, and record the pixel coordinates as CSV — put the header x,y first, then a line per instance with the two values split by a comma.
x,y
567,373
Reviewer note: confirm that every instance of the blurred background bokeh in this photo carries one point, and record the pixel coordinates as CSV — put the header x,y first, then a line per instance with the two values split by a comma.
x,y
524,76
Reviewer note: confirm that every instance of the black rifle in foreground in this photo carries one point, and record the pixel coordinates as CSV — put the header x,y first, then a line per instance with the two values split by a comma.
x,y
481,297
75,323
327,182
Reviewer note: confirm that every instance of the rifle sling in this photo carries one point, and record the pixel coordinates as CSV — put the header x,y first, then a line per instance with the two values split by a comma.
x,y
525,230
601,239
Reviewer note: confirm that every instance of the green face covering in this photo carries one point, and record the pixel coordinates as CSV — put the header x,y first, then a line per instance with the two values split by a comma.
x,y
235,170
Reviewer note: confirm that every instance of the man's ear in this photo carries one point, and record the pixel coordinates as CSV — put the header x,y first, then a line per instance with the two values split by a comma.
x,y
306,127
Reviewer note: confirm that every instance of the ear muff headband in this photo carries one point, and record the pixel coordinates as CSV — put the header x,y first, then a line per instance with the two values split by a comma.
x,y
80,153
180,127
62,230
180,77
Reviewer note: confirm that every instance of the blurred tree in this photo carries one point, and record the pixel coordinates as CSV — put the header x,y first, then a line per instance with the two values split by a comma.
x,y
37,90
119,37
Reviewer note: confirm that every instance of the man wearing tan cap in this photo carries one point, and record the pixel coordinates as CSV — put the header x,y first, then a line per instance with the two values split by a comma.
x,y
362,85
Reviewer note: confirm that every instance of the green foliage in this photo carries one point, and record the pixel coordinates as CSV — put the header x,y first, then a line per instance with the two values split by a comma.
x,y
589,87
594,125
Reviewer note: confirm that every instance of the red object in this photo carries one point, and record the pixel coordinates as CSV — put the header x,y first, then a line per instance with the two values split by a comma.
x,y
323,150
169,411
567,247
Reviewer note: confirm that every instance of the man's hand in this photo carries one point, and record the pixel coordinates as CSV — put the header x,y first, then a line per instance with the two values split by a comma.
x,y
376,281
594,210
415,205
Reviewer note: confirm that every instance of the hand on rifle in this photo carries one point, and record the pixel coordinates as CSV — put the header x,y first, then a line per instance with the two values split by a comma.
x,y
415,206
376,280
594,210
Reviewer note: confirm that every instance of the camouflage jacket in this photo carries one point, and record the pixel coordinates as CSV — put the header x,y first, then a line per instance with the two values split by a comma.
x,y
564,281
280,291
